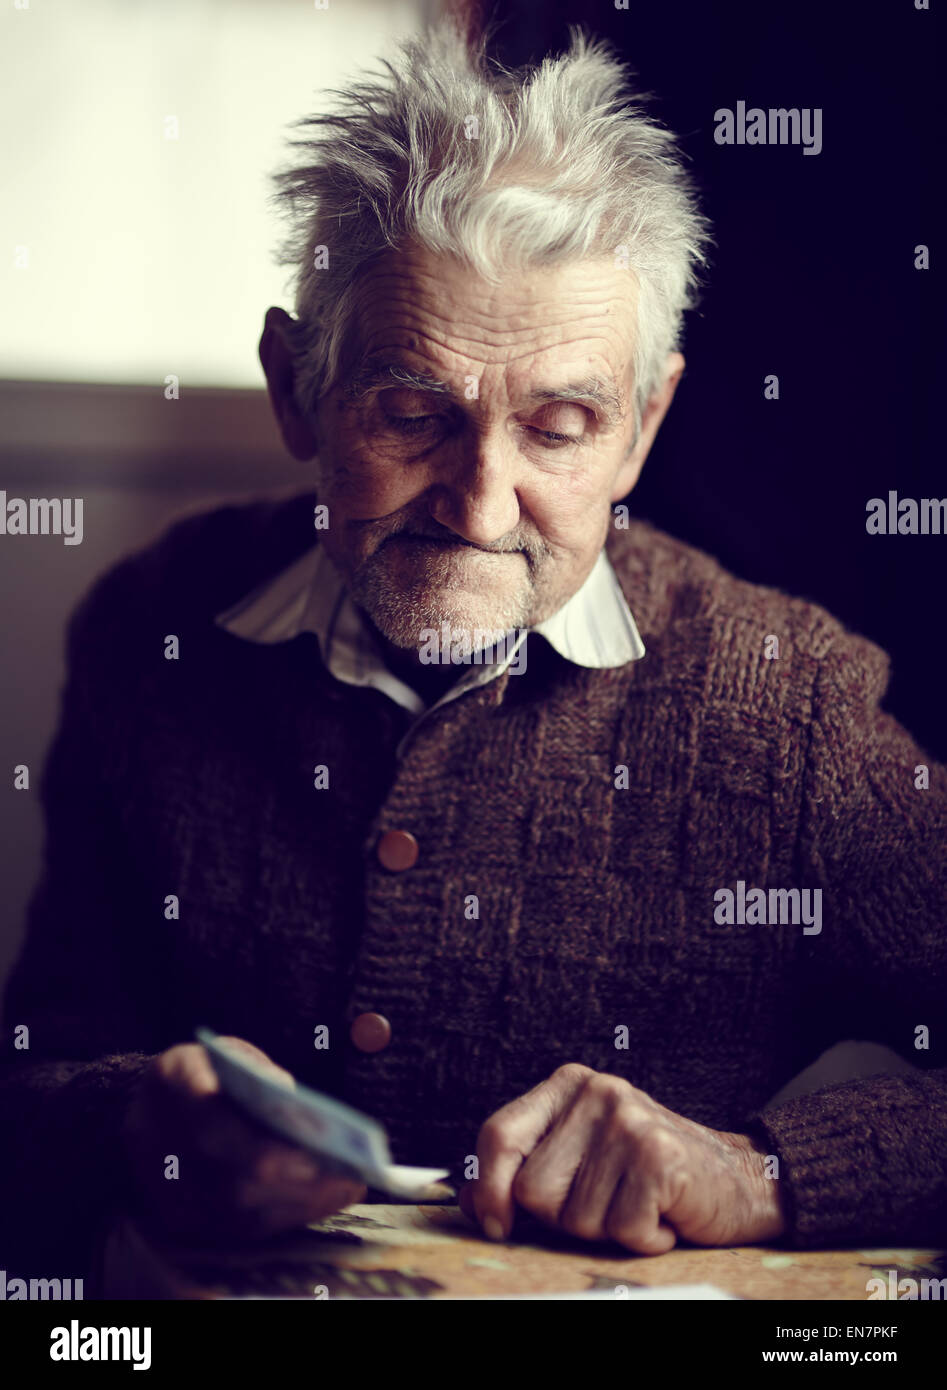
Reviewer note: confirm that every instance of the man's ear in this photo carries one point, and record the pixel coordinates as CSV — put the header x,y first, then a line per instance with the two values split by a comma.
x,y
276,357
654,413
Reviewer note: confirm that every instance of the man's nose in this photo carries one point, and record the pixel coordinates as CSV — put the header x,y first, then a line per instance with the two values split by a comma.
x,y
475,492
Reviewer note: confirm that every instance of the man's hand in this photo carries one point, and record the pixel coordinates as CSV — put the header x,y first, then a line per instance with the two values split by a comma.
x,y
235,1180
589,1153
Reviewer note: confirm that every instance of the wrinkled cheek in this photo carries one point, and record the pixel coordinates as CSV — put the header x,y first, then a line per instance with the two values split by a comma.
x,y
367,486
572,513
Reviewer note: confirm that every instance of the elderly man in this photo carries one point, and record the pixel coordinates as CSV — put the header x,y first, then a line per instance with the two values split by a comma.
x,y
522,827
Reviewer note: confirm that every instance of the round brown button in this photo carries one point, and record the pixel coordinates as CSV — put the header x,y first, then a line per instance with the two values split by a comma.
x,y
370,1032
398,850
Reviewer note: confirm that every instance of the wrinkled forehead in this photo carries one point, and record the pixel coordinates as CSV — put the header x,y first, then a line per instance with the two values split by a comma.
x,y
436,314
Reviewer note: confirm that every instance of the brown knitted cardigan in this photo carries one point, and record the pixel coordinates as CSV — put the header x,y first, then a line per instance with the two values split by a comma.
x,y
194,777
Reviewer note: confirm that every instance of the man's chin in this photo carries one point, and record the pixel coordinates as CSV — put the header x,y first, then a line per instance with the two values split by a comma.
x,y
410,624
417,632
405,614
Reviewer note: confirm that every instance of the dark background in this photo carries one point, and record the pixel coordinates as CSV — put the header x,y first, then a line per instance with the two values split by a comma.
x,y
812,278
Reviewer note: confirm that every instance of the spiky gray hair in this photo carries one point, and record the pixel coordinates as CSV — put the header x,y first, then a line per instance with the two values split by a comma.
x,y
501,169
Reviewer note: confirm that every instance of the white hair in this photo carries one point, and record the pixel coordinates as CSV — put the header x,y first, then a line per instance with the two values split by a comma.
x,y
501,169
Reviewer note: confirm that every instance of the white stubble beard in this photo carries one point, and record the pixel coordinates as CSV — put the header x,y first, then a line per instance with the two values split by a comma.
x,y
401,616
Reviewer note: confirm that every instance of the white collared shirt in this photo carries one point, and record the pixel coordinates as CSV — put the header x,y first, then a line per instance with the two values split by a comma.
x,y
594,628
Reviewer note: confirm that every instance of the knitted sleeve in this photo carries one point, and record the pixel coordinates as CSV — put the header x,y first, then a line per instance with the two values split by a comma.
x,y
866,1162
79,1021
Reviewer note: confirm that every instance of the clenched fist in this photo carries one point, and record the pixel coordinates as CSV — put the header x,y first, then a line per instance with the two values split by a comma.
x,y
591,1154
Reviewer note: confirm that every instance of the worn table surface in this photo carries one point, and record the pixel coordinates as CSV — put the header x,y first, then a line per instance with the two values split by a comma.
x,y
401,1251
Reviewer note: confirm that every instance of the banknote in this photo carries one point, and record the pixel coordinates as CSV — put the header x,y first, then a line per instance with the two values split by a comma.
x,y
318,1123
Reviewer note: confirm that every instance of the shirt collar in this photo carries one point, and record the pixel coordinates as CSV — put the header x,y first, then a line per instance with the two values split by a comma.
x,y
594,628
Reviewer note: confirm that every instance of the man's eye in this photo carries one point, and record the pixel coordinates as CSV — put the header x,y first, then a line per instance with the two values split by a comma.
x,y
558,425
552,440
410,424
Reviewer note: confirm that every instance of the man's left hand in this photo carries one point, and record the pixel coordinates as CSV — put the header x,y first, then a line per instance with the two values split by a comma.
x,y
589,1153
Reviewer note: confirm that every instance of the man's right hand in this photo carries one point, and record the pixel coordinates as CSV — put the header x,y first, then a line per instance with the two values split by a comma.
x,y
236,1181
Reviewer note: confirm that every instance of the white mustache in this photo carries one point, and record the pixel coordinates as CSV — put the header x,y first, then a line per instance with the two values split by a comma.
x,y
455,541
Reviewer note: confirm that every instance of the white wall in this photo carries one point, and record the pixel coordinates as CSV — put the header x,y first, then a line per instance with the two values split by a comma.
x,y
149,255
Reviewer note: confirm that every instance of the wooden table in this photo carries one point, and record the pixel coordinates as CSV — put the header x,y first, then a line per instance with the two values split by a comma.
x,y
402,1251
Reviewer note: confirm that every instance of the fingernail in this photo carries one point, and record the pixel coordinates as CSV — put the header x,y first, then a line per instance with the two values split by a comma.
x,y
492,1228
